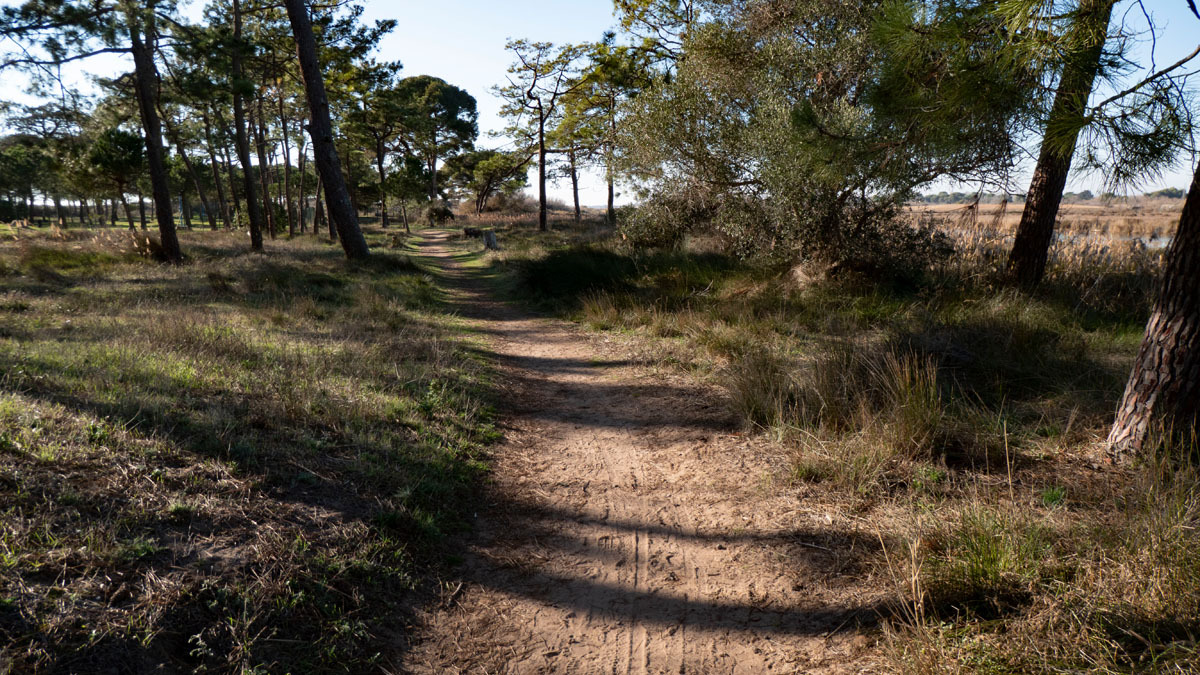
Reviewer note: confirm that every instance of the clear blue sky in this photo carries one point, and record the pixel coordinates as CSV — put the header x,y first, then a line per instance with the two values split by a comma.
x,y
462,41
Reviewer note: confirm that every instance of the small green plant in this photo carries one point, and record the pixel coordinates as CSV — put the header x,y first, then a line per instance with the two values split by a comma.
x,y
180,512
136,550
1053,496
98,433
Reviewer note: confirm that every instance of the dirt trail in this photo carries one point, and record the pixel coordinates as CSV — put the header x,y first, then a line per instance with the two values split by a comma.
x,y
631,528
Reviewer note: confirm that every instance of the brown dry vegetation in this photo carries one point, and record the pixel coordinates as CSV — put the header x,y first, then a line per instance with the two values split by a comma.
x,y
1139,218
240,464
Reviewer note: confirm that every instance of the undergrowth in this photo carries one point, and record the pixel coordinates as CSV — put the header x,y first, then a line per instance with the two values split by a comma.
x,y
974,410
243,463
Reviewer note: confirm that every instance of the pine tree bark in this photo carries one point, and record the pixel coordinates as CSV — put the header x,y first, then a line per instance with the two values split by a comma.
x,y
253,208
320,128
1164,387
1031,249
142,35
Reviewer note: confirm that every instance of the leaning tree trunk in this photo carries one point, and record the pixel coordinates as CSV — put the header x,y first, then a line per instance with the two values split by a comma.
x,y
128,213
1027,261
146,83
253,208
1164,387
191,171
321,129
216,172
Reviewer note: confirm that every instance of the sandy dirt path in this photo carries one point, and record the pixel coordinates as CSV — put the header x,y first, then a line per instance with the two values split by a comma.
x,y
630,527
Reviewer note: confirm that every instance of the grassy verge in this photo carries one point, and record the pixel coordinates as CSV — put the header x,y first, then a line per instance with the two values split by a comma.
x,y
960,417
240,464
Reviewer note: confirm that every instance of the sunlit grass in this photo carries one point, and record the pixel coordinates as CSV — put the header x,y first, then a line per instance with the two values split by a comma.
x,y
242,462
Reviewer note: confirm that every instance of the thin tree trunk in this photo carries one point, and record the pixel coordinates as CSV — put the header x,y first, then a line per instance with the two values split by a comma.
x,y
1164,387
1031,249
216,172
320,128
243,143
319,219
146,83
379,157
575,186
611,214
128,213
260,144
185,209
191,170
142,210
542,225
287,168
302,198
58,212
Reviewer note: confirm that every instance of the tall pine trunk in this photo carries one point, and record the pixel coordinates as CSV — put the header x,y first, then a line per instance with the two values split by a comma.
x,y
320,128
142,37
253,208
1027,261
1164,387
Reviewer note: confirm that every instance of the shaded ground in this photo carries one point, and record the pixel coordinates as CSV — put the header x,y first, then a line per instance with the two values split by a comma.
x,y
630,527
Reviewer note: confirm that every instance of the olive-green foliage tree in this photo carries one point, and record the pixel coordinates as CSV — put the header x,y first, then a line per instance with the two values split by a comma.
x,y
538,81
439,120
482,174
799,128
117,155
49,33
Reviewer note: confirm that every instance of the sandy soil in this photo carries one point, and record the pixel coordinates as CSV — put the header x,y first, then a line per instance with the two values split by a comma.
x,y
631,527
